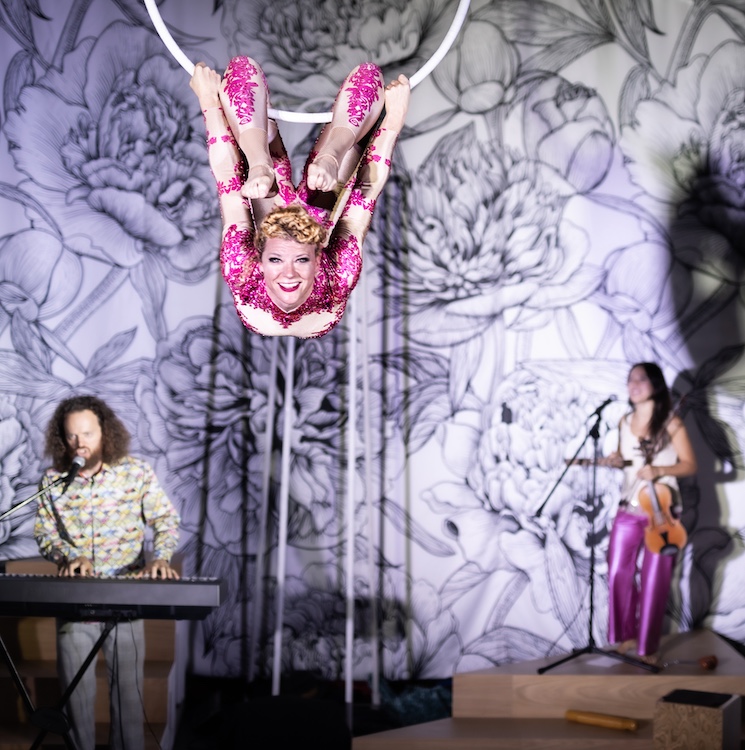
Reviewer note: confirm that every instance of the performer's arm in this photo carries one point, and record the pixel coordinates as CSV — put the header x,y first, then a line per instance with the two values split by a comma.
x,y
53,544
616,459
163,518
686,464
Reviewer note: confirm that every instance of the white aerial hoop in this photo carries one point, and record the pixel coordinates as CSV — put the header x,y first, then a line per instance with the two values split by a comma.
x,y
313,117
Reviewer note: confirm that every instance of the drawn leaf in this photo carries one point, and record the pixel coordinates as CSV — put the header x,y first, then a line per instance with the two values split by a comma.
x,y
26,339
536,23
13,193
433,122
17,375
634,90
60,347
598,12
17,22
558,55
646,13
415,532
136,12
106,355
464,363
20,73
506,644
464,579
149,282
631,24
733,18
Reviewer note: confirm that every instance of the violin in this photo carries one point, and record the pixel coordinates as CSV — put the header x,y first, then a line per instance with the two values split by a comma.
x,y
665,534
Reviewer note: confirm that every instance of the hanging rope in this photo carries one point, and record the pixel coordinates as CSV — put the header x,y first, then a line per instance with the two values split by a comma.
x,y
312,117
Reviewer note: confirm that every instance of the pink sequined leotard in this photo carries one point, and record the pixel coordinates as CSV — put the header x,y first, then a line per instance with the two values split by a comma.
x,y
339,264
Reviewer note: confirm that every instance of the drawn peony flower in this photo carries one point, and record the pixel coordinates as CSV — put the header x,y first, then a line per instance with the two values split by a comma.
x,y
420,633
307,48
685,149
479,68
646,291
207,404
510,518
486,240
566,127
19,475
38,276
122,168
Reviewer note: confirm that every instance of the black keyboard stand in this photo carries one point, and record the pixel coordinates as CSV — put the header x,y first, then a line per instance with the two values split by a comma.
x,y
54,719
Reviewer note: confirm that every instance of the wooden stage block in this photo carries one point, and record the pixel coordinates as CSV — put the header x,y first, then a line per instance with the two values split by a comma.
x,y
696,720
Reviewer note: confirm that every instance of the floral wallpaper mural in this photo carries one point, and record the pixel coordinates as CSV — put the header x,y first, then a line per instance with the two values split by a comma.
x,y
567,199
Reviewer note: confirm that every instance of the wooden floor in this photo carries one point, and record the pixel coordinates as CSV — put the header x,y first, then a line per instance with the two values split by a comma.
x,y
514,707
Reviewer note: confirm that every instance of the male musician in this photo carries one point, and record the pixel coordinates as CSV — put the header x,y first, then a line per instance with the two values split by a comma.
x,y
96,526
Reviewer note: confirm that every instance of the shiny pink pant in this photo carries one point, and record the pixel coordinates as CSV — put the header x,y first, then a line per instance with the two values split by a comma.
x,y
636,611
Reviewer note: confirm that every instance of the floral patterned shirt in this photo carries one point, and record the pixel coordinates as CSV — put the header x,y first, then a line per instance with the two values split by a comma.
x,y
340,262
104,518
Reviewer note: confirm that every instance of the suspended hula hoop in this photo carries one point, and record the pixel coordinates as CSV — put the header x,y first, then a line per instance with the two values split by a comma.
x,y
312,117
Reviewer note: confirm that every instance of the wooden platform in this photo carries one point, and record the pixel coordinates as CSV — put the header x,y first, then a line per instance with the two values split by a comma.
x,y
515,708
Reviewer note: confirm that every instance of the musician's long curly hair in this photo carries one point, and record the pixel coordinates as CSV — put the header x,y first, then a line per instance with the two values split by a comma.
x,y
115,437
663,403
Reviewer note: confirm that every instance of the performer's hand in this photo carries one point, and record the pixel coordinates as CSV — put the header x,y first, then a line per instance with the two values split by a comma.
x,y
649,473
397,96
80,566
158,569
205,83
615,460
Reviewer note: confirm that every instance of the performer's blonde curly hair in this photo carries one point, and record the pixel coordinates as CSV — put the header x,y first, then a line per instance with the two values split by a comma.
x,y
291,222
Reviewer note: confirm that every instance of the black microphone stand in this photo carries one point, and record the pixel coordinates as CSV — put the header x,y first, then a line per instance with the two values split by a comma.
x,y
47,720
591,647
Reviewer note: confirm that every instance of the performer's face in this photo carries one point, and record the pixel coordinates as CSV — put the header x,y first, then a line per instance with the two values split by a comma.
x,y
84,438
639,385
289,270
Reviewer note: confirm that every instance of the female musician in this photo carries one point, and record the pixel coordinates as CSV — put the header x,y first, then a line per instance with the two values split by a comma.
x,y
292,255
654,449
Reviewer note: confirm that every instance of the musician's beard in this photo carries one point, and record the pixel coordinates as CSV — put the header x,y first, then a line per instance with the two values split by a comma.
x,y
93,459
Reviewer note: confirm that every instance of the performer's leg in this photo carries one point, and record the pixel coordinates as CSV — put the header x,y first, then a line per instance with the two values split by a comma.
x,y
74,642
657,572
356,109
124,651
623,550
245,99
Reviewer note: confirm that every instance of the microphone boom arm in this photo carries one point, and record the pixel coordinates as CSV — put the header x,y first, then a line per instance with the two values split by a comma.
x,y
77,464
20,505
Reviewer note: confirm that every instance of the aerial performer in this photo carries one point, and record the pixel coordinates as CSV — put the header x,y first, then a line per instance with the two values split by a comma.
x,y
291,256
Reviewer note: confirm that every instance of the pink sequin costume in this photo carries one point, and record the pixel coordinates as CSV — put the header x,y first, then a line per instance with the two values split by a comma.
x,y
244,97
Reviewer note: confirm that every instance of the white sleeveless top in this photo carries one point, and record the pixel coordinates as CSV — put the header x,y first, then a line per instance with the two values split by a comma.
x,y
631,451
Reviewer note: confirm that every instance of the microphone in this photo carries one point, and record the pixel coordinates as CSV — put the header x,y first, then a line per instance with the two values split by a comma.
x,y
77,464
602,406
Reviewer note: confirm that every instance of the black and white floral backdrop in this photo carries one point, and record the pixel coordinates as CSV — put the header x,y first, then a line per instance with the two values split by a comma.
x,y
568,198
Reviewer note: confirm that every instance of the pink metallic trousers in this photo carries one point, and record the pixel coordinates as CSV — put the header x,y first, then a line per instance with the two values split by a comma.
x,y
636,612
